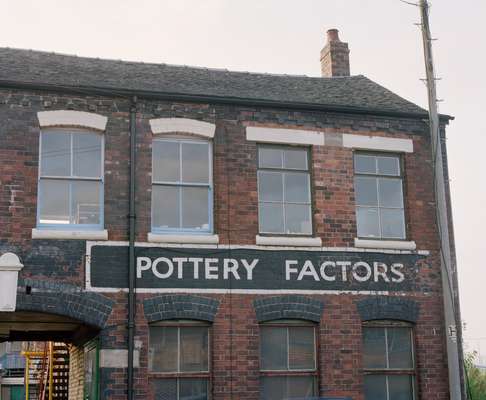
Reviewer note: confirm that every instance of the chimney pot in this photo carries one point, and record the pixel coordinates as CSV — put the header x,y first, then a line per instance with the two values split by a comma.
x,y
333,35
334,56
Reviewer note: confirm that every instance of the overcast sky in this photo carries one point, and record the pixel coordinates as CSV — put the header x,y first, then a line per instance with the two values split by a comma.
x,y
285,36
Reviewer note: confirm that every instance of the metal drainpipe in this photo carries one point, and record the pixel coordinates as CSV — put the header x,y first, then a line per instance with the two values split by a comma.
x,y
131,247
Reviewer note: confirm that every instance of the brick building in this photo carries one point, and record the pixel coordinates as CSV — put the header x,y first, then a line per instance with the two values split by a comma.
x,y
284,227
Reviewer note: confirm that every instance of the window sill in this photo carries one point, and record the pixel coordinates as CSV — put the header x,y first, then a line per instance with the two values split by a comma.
x,y
288,241
69,234
192,239
385,244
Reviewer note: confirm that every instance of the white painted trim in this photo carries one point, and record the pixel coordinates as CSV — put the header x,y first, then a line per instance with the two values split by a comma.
x,y
385,244
248,291
287,136
377,143
196,239
185,125
288,241
72,118
69,234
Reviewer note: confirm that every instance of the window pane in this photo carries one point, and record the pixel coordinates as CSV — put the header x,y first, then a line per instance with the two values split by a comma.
x,y
54,201
298,218
375,387
273,348
195,162
270,158
365,191
399,348
165,163
55,154
390,192
193,389
270,216
273,388
295,159
164,389
300,387
400,387
165,207
163,349
85,202
287,387
367,222
270,186
301,348
194,349
87,154
296,188
364,164
374,348
195,208
389,166
392,223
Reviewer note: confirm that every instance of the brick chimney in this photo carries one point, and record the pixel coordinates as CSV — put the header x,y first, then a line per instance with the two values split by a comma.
x,y
334,56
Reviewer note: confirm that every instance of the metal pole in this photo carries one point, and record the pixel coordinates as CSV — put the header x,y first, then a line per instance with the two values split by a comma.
x,y
131,247
451,304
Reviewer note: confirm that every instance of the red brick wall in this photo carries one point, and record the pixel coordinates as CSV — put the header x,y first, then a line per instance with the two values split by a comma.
x,y
235,355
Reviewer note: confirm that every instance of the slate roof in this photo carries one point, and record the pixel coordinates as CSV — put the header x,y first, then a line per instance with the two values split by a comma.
x,y
354,92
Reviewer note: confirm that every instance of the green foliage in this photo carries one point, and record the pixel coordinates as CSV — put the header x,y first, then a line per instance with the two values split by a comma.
x,y
476,377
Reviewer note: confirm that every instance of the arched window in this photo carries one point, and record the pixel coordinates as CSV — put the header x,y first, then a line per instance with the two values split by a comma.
x,y
388,360
182,199
179,359
288,362
71,177
182,176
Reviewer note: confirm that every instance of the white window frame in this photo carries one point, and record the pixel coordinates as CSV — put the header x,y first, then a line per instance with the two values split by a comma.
x,y
71,178
378,206
282,172
208,185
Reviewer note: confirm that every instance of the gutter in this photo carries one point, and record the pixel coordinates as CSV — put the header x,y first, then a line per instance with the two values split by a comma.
x,y
196,98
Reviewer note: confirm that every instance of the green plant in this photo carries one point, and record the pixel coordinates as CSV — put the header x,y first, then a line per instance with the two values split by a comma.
x,y
476,378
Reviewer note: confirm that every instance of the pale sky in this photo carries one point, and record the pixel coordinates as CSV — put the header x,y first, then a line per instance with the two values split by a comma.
x,y
286,36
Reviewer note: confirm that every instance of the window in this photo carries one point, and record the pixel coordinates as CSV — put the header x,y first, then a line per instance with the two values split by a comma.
x,y
378,186
287,360
181,186
389,363
284,197
70,179
179,360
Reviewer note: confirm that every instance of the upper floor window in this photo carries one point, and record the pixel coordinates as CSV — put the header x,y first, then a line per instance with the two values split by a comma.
x,y
70,179
284,194
288,366
182,186
389,362
179,360
378,185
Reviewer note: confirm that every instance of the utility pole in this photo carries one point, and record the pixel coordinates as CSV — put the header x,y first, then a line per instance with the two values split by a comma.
x,y
449,283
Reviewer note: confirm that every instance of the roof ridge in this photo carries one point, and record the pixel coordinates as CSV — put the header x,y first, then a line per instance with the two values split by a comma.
x,y
179,65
